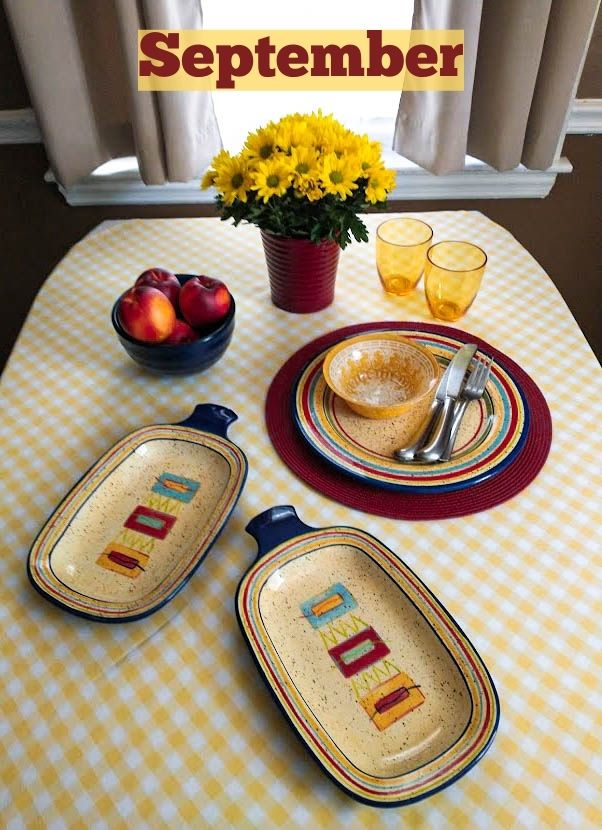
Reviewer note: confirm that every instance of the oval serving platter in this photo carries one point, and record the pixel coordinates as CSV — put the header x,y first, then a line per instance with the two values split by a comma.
x,y
134,529
492,434
373,673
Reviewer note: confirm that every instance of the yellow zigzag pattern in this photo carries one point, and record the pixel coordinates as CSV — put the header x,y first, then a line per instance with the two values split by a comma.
x,y
372,677
164,504
137,541
334,634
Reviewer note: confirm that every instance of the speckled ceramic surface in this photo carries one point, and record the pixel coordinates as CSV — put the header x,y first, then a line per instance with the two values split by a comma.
x,y
137,525
382,375
371,670
492,433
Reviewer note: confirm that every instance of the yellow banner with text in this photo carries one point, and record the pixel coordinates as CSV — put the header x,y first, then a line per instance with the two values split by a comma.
x,y
373,59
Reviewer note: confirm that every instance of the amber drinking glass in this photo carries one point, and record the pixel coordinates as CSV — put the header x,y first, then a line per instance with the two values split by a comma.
x,y
452,278
401,246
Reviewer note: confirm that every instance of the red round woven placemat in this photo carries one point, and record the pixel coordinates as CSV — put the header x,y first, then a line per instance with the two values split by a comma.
x,y
331,482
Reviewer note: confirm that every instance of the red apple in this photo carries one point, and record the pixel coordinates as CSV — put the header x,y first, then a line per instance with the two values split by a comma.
x,y
146,314
204,301
164,281
182,333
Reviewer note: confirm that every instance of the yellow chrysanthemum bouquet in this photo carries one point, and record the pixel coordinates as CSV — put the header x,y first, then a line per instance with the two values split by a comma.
x,y
306,177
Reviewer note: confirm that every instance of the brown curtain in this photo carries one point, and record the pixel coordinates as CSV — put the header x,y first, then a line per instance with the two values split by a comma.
x,y
80,61
522,61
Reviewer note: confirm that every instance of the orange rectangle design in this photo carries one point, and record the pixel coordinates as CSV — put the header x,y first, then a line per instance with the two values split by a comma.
x,y
123,560
392,700
326,605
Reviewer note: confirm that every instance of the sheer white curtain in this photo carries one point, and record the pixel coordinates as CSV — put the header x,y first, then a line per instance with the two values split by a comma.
x,y
522,59
80,62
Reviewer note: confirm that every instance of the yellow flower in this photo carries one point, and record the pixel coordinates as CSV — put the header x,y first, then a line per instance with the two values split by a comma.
x,y
304,165
337,175
308,189
322,130
292,131
271,178
308,156
325,138
232,178
381,181
210,174
345,143
369,155
208,179
261,145
312,192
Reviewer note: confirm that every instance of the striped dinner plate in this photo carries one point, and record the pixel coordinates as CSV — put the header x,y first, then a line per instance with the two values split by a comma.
x,y
492,435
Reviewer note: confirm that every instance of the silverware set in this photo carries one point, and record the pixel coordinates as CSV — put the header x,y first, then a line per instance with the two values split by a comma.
x,y
464,380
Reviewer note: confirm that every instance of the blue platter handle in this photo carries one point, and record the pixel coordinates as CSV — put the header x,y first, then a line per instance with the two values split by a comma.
x,y
274,526
210,417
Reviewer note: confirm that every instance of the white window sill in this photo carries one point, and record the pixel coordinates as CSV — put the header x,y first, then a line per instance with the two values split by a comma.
x,y
119,183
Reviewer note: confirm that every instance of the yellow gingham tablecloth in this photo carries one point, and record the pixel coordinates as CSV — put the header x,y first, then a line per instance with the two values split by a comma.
x,y
165,721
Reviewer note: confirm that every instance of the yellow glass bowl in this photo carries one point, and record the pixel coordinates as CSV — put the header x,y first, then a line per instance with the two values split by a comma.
x,y
383,376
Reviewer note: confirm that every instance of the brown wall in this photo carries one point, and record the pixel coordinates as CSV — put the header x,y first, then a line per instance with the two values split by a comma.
x,y
13,92
563,231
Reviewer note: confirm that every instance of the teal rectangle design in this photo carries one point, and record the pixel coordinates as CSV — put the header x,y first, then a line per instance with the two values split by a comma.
x,y
176,487
317,620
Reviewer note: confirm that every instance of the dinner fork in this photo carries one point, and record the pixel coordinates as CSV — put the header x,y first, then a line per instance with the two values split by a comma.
x,y
473,390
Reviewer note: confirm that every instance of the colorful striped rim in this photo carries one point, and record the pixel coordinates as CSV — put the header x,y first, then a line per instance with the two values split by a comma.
x,y
427,778
417,506
502,433
40,568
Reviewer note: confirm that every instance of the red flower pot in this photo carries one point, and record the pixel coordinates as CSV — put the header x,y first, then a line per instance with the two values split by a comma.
x,y
302,273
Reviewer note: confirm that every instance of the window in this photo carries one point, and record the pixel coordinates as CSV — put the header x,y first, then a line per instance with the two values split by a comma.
x,y
374,113
238,113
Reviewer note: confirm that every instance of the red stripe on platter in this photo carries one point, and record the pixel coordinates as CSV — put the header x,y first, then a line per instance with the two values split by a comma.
x,y
331,482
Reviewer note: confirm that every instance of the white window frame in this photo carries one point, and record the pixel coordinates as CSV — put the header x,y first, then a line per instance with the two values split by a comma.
x,y
476,181
119,182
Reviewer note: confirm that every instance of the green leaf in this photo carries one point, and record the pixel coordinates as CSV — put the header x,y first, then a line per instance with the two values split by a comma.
x,y
328,218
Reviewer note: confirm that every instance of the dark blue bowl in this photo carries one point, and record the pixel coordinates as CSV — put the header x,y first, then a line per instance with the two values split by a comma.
x,y
179,358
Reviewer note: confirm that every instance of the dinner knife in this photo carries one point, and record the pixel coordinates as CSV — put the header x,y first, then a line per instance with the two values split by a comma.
x,y
461,358
435,447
